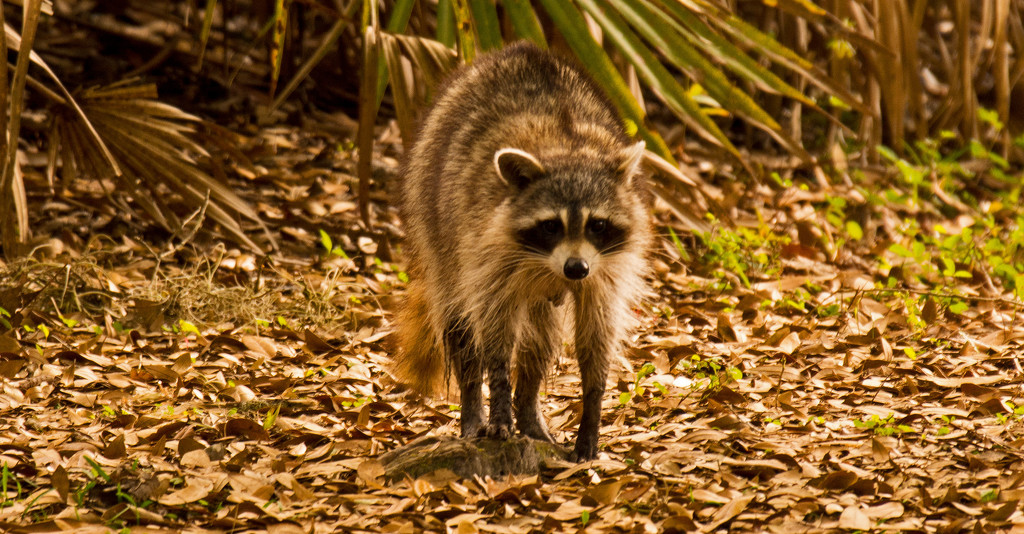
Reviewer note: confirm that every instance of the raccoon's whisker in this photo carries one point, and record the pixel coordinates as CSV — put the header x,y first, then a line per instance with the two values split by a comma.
x,y
519,259
610,250
534,252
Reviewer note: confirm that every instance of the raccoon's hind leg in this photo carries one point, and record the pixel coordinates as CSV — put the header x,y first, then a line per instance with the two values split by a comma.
x,y
537,349
469,373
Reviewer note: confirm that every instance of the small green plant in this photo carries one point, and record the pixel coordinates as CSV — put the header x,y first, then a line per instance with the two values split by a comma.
x,y
913,175
783,183
828,310
359,402
123,496
882,427
330,248
7,479
97,469
710,373
679,245
835,214
268,422
95,475
1016,413
990,495
744,252
186,327
638,390
945,425
943,258
795,300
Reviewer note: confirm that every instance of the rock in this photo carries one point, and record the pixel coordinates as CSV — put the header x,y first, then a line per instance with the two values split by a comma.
x,y
468,457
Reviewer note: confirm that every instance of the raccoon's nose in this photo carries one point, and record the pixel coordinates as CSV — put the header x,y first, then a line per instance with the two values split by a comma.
x,y
576,268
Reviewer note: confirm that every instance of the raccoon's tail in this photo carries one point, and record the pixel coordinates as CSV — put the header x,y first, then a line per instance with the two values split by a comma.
x,y
420,360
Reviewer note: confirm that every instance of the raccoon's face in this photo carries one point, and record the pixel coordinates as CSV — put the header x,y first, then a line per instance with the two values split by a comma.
x,y
573,239
573,213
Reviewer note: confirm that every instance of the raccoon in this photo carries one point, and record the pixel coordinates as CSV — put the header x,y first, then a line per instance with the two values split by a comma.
x,y
524,207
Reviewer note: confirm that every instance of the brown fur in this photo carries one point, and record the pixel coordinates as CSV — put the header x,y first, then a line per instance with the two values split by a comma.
x,y
422,364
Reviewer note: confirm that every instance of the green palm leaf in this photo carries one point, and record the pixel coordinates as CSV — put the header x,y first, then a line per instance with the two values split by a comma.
x,y
654,73
571,24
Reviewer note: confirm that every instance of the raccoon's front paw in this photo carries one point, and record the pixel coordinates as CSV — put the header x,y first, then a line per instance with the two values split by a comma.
x,y
497,431
585,450
471,430
535,429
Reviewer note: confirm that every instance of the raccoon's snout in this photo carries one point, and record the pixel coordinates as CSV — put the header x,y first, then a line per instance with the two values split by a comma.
x,y
576,268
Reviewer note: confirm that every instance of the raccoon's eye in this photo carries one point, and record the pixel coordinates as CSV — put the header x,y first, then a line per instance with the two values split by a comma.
x,y
597,226
551,226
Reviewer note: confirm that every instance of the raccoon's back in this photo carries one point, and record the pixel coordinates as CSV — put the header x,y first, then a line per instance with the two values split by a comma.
x,y
521,96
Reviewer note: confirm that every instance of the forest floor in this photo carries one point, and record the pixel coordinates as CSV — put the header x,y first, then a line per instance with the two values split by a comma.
x,y
841,357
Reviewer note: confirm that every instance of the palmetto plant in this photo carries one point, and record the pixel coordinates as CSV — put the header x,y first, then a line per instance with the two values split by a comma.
x,y
120,133
812,79
665,46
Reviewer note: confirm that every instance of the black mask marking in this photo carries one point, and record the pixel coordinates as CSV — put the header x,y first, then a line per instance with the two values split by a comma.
x,y
606,236
542,237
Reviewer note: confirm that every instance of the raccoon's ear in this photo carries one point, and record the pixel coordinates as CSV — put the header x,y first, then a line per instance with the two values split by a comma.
x,y
517,168
630,158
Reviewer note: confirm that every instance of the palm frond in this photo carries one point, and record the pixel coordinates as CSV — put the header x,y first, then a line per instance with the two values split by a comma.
x,y
368,105
524,22
416,66
573,26
12,190
156,146
652,72
326,45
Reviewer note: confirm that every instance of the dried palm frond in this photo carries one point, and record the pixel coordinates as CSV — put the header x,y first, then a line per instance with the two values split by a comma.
x,y
326,45
14,221
119,132
155,145
367,115
414,66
